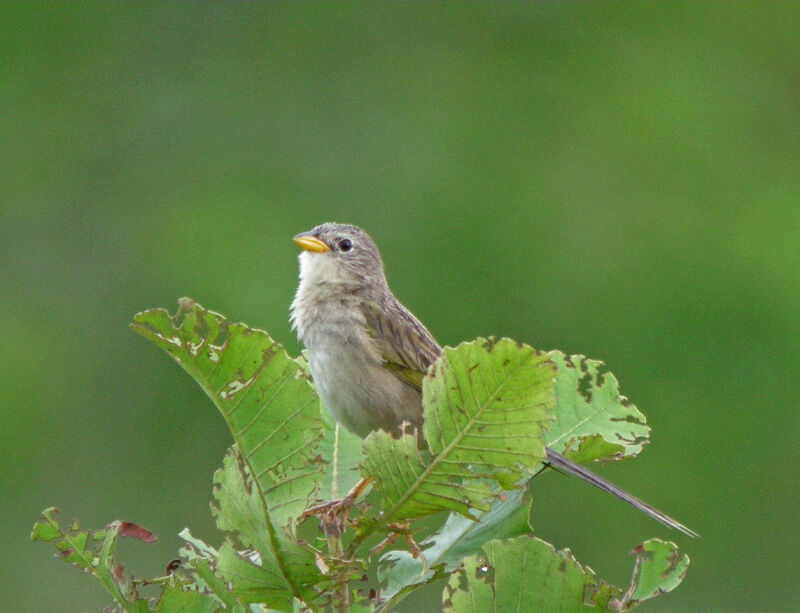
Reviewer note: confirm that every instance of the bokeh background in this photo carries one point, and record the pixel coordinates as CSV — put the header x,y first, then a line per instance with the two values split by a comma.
x,y
617,180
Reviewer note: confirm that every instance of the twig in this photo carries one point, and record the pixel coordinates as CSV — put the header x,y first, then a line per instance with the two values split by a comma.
x,y
332,526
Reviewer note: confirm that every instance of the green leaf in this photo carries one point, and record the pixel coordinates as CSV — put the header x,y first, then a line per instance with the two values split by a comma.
x,y
236,578
252,582
196,546
176,600
201,559
93,552
522,574
399,571
487,404
71,543
47,527
265,396
658,568
266,399
299,607
409,488
592,419
360,604
528,574
239,511
342,452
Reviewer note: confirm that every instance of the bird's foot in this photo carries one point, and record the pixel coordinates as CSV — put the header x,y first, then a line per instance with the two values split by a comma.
x,y
397,530
378,549
338,508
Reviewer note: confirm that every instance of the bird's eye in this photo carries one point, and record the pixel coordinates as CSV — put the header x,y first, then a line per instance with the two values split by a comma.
x,y
345,244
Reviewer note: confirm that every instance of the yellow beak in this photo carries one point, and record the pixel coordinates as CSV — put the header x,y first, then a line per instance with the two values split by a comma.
x,y
309,242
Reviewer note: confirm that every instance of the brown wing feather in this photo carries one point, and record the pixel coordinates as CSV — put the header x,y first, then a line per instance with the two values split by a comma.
x,y
406,346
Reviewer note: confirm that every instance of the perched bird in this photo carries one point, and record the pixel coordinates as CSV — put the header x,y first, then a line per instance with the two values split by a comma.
x,y
368,354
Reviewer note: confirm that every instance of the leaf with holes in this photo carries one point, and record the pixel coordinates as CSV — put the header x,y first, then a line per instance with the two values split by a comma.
x,y
487,404
592,420
400,572
177,600
93,551
528,574
265,397
239,510
659,568
200,560
410,490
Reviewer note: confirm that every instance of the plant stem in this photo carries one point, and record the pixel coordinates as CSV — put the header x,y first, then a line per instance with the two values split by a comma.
x,y
332,526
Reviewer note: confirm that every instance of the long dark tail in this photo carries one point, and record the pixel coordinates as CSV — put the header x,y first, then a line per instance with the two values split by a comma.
x,y
558,461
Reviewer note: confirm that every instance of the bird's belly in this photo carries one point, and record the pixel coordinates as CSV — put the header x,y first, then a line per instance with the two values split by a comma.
x,y
360,393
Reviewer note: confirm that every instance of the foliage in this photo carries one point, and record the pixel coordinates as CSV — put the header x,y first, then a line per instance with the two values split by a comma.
x,y
527,574
593,421
490,408
487,405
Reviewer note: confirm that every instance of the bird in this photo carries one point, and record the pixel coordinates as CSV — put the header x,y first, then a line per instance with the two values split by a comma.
x,y
368,354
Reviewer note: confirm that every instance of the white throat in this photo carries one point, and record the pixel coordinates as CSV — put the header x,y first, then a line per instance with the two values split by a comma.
x,y
321,283
318,269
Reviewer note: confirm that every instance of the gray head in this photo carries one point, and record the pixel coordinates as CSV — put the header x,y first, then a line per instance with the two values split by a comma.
x,y
337,254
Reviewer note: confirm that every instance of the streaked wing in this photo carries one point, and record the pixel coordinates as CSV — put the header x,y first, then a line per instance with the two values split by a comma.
x,y
404,343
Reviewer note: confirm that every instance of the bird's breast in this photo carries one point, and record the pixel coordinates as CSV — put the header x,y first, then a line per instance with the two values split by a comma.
x,y
347,366
348,372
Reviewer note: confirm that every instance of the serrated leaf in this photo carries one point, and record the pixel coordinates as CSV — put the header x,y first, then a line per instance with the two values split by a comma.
x,y
237,579
267,401
47,527
251,582
409,488
201,559
265,396
487,404
592,420
528,574
399,571
176,600
93,552
523,574
70,543
196,546
239,510
659,568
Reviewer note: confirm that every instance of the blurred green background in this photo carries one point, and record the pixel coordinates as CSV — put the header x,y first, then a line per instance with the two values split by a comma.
x,y
617,180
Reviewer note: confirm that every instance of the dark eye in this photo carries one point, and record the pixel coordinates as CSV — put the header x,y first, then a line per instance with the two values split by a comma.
x,y
345,244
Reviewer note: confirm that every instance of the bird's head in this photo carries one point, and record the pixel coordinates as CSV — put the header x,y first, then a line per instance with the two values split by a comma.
x,y
340,254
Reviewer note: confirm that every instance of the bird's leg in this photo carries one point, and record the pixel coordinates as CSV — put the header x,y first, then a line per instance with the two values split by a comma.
x,y
378,549
396,530
416,552
341,506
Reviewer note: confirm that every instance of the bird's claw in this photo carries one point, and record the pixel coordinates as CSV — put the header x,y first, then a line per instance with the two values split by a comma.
x,y
378,549
416,552
398,529
339,509
335,508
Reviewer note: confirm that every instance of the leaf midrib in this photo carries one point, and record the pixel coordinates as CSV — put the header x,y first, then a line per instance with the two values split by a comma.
x,y
457,439
190,366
